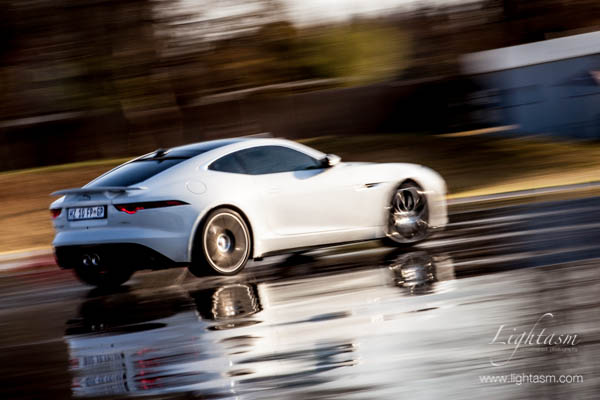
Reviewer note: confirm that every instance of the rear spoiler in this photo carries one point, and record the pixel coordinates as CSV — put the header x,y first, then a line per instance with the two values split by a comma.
x,y
97,189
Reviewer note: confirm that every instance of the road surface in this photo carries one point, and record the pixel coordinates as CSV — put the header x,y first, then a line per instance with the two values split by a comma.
x,y
477,311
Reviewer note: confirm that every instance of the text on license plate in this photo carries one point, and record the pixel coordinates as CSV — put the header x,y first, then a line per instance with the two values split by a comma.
x,y
94,212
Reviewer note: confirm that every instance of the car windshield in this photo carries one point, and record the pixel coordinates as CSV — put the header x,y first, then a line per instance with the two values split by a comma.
x,y
135,172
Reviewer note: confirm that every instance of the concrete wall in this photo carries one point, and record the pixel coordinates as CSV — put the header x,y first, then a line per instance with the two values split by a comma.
x,y
545,87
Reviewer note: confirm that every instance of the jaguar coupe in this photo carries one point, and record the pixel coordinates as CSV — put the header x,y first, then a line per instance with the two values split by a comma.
x,y
212,206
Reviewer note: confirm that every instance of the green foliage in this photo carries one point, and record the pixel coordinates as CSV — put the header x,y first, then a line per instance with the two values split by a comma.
x,y
278,52
360,52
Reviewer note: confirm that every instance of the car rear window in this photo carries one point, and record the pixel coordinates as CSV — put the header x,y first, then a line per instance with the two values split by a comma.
x,y
135,172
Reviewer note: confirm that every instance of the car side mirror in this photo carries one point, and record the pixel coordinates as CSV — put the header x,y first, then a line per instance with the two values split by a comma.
x,y
331,160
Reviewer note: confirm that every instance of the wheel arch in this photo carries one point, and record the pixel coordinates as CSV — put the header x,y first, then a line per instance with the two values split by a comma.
x,y
410,180
399,184
197,229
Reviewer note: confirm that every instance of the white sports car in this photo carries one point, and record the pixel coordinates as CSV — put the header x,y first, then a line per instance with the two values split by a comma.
x,y
213,205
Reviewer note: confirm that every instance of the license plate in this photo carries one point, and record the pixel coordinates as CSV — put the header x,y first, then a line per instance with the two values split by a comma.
x,y
80,213
101,359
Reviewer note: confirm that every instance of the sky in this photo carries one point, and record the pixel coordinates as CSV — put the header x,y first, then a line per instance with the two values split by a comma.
x,y
314,11
307,12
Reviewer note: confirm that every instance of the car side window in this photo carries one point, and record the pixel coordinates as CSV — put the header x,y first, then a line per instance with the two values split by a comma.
x,y
273,159
228,163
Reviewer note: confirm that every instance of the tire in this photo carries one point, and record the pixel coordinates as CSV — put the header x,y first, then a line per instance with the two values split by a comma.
x,y
408,219
103,277
223,246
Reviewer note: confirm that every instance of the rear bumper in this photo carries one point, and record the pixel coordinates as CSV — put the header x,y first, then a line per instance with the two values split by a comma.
x,y
119,255
171,244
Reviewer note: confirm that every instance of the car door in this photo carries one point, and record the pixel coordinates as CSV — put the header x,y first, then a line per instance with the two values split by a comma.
x,y
300,195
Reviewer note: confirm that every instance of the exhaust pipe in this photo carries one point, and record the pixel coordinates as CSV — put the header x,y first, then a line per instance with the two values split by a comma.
x,y
91,260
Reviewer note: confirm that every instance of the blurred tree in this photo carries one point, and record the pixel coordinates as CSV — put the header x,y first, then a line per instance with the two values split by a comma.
x,y
360,52
279,52
443,33
140,56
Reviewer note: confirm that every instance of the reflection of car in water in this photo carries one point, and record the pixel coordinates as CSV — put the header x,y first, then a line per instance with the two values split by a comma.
x,y
152,343
128,343
227,301
215,205
417,271
240,338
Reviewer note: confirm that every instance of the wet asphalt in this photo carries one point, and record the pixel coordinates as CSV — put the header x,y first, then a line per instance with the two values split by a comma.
x,y
478,301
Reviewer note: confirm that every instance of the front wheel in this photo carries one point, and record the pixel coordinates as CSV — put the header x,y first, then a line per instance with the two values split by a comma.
x,y
408,220
224,244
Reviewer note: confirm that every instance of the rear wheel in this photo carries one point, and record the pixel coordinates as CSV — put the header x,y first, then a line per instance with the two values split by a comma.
x,y
95,272
408,220
224,244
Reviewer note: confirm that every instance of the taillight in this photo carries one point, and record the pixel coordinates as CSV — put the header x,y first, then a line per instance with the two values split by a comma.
x,y
129,208
55,212
132,208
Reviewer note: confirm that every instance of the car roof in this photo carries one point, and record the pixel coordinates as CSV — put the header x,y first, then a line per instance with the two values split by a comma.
x,y
216,148
200,155
194,149
245,143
